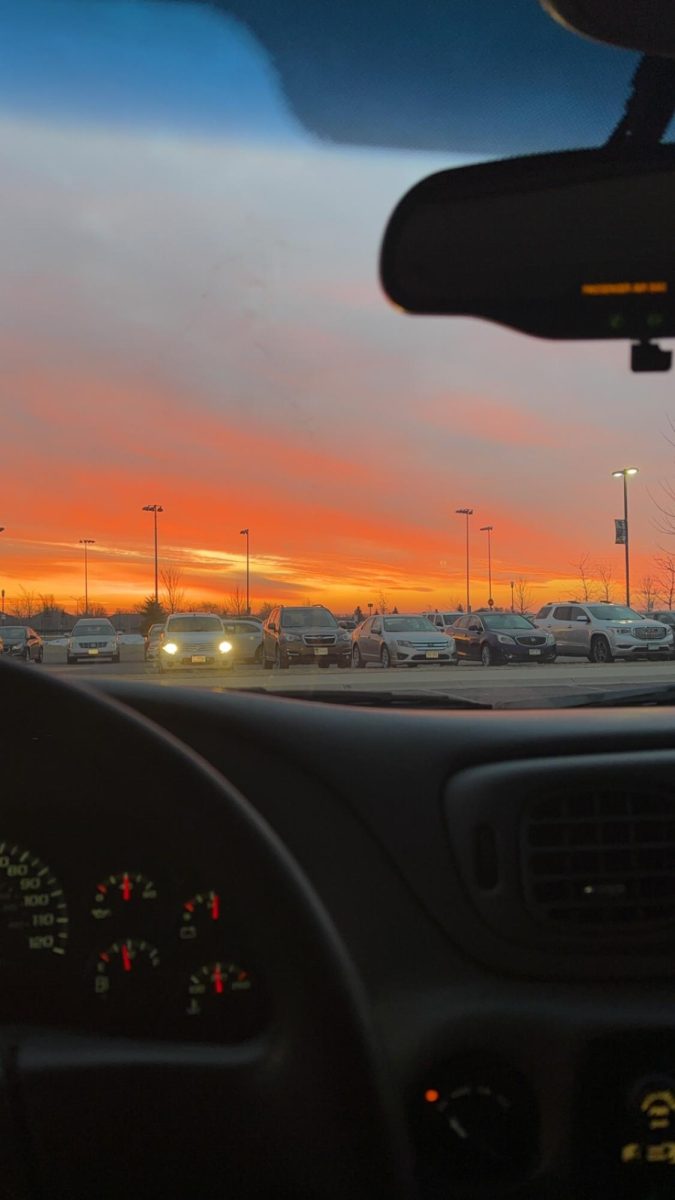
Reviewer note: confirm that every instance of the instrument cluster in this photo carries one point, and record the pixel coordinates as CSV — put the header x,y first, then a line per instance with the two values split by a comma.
x,y
126,953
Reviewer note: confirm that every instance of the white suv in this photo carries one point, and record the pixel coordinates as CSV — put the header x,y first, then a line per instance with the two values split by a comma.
x,y
603,632
443,621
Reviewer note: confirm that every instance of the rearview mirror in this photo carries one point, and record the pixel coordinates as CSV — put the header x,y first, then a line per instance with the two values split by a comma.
x,y
578,245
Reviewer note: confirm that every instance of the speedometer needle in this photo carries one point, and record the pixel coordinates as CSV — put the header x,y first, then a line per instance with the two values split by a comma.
x,y
126,958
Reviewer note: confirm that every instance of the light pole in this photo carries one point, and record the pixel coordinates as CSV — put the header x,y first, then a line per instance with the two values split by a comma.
x,y
248,570
370,608
466,512
512,587
86,542
624,473
488,529
155,508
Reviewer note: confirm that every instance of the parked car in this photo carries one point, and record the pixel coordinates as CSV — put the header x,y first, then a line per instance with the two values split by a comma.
x,y
664,617
402,640
194,640
443,620
93,637
502,637
153,639
304,635
246,636
21,642
603,632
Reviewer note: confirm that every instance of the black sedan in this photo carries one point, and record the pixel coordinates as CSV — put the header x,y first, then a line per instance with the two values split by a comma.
x,y
21,642
501,637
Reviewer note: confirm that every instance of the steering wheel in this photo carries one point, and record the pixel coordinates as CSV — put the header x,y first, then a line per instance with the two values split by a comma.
x,y
305,1109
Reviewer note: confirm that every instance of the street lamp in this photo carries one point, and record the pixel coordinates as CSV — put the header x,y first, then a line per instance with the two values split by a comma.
x,y
623,474
86,542
248,571
488,529
370,608
466,512
155,508
512,587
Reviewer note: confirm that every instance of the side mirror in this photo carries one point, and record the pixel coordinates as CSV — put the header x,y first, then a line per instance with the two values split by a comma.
x,y
586,620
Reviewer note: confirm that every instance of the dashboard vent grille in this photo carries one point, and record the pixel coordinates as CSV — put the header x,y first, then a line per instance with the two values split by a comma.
x,y
600,858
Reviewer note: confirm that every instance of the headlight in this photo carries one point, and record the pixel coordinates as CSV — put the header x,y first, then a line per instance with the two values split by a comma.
x,y
504,637
225,647
623,629
290,637
344,635
401,642
170,648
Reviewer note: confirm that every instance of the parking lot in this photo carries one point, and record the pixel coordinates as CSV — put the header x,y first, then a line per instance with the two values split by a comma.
x,y
517,685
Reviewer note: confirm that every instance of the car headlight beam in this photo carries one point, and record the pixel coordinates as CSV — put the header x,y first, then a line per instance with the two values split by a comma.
x,y
170,648
225,647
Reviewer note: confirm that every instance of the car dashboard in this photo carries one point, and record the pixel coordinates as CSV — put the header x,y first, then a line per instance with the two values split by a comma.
x,y
502,883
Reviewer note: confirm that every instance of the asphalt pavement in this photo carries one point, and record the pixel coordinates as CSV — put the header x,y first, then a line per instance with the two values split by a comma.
x,y
530,684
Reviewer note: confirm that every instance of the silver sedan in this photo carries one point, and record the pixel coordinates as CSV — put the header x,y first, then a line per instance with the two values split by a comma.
x,y
396,641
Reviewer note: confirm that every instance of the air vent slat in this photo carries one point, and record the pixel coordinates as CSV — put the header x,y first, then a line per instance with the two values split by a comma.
x,y
600,858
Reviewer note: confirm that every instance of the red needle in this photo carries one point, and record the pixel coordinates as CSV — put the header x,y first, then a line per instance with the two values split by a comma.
x,y
126,958
215,906
218,979
126,887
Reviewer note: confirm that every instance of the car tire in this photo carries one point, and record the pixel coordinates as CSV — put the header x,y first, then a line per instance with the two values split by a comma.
x,y
281,661
600,651
357,658
486,656
386,658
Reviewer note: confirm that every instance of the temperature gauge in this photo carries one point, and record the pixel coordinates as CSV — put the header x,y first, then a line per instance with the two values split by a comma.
x,y
222,1000
119,894
200,914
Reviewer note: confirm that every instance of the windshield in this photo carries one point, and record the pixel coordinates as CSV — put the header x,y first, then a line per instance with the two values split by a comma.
x,y
98,627
408,625
12,633
194,625
222,410
506,621
307,618
613,612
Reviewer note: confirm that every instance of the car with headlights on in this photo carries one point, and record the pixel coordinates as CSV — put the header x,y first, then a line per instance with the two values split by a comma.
x,y
21,642
401,640
194,640
603,632
246,636
304,634
93,637
502,638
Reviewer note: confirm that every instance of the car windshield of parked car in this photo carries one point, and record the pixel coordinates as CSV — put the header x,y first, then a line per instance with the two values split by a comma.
x,y
195,624
209,403
12,633
93,627
307,618
505,621
613,612
408,625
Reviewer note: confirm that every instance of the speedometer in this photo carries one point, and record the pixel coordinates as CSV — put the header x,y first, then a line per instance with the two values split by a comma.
x,y
33,910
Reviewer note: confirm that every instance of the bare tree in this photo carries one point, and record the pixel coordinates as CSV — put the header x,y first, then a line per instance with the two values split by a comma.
x,y
523,594
647,590
173,595
382,602
25,605
665,582
583,571
236,604
97,610
606,578
265,610
47,602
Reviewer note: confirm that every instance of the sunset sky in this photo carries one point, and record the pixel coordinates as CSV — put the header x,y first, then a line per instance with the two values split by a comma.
x,y
191,315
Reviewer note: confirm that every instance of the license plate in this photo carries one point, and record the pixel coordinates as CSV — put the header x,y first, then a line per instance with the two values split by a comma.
x,y
654,646
197,658
92,651
431,654
535,651
321,650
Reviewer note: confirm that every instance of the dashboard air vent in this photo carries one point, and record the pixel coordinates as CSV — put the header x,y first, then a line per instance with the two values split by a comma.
x,y
600,858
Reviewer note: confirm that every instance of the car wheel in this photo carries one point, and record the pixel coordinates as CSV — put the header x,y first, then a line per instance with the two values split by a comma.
x,y
280,660
357,657
486,655
600,651
386,658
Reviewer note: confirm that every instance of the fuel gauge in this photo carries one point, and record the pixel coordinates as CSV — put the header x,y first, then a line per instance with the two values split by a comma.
x,y
200,914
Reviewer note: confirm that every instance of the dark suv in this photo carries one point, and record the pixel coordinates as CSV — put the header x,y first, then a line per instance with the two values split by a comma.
x,y
304,635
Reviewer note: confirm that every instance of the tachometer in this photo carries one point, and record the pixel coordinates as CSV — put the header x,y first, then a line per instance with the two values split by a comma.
x,y
33,909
